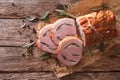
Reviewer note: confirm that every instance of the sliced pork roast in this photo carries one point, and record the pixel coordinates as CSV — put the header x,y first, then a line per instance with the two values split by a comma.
x,y
44,41
70,51
97,27
62,28
61,36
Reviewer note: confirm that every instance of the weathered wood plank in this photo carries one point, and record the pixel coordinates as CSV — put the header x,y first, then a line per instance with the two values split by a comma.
x,y
50,76
23,8
11,60
93,76
27,76
10,32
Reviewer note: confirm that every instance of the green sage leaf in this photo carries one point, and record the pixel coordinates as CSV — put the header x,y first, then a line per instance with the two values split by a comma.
x,y
44,16
28,45
45,56
105,6
31,18
63,12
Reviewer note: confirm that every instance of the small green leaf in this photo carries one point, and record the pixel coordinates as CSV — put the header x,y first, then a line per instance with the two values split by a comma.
x,y
60,11
45,56
44,16
101,47
105,6
31,18
28,45
88,51
65,7
96,9
45,20
63,12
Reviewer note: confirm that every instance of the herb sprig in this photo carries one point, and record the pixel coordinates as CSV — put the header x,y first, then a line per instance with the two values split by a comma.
x,y
28,45
45,56
44,16
63,12
28,49
104,6
31,18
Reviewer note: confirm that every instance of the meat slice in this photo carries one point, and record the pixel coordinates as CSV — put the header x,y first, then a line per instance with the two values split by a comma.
x,y
97,27
69,51
44,41
62,28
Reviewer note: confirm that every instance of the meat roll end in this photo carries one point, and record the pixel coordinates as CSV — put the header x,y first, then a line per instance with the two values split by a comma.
x,y
70,51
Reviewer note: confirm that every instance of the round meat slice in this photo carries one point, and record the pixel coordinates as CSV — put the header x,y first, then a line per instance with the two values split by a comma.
x,y
70,51
62,28
44,41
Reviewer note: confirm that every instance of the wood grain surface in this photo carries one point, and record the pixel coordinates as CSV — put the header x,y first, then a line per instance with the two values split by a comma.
x,y
13,66
11,59
23,8
12,34
50,76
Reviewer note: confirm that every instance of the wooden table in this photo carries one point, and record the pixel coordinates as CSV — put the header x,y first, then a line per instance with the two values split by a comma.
x,y
13,66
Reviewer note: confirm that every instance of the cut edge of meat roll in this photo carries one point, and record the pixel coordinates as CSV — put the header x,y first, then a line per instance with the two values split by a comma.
x,y
62,28
44,41
82,34
85,24
69,51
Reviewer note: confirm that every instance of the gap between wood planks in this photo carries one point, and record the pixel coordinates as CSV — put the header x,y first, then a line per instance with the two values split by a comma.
x,y
53,72
51,76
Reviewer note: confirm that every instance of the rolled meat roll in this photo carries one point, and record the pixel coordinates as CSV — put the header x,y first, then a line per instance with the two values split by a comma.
x,y
44,41
97,27
62,28
69,51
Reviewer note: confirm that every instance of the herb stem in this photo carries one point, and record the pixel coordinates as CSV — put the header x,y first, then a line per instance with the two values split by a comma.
x,y
45,56
28,45
65,13
88,50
